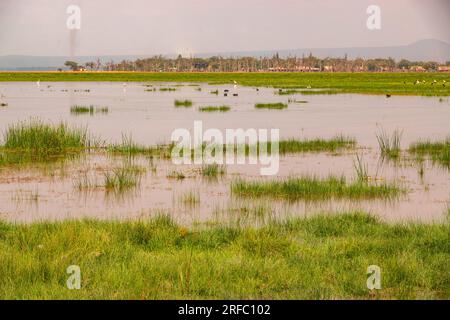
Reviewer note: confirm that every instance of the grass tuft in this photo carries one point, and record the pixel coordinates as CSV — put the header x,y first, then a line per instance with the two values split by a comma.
x,y
183,103
389,144
37,139
277,106
213,170
214,109
438,151
312,188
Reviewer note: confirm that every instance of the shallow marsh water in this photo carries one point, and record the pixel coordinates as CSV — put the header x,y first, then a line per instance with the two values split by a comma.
x,y
48,192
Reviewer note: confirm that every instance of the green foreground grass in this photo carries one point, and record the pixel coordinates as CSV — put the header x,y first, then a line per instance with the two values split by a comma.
x,y
324,257
370,83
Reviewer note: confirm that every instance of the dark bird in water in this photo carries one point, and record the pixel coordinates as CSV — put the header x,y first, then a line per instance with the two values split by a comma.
x,y
226,90
388,96
225,94
235,94
257,89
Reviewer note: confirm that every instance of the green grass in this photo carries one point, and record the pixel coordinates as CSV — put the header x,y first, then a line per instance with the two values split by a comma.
x,y
122,178
88,109
130,148
216,92
361,169
191,199
438,151
277,106
213,170
315,145
167,89
389,144
37,139
369,83
183,103
312,188
324,257
214,109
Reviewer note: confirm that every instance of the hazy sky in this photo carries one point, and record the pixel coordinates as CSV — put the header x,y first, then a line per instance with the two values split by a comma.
x,y
116,27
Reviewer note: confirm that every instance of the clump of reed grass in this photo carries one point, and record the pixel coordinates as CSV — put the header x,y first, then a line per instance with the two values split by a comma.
x,y
214,109
76,109
168,89
85,182
3,104
38,139
277,106
390,144
177,175
313,188
213,170
361,169
122,178
439,151
183,103
216,92
191,198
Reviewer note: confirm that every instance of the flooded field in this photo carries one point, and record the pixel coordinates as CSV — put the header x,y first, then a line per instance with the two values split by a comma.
x,y
75,188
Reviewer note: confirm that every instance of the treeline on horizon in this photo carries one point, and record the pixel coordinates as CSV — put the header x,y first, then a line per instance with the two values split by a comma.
x,y
267,64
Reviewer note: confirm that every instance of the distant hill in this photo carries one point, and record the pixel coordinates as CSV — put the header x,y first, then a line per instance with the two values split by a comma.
x,y
424,50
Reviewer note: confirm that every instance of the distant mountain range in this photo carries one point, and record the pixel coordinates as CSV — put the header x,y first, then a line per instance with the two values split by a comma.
x,y
424,50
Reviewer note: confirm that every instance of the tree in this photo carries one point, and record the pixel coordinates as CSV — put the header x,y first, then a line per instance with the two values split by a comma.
x,y
404,64
72,65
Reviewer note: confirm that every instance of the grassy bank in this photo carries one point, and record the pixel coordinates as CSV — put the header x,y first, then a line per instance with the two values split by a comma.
x,y
315,258
373,83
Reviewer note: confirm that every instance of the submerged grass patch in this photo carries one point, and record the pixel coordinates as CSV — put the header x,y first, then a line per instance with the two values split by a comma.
x,y
277,106
323,257
214,109
183,103
316,145
313,188
168,89
130,148
213,170
88,110
439,151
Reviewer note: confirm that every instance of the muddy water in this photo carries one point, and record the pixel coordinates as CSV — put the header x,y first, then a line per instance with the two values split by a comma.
x,y
49,192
